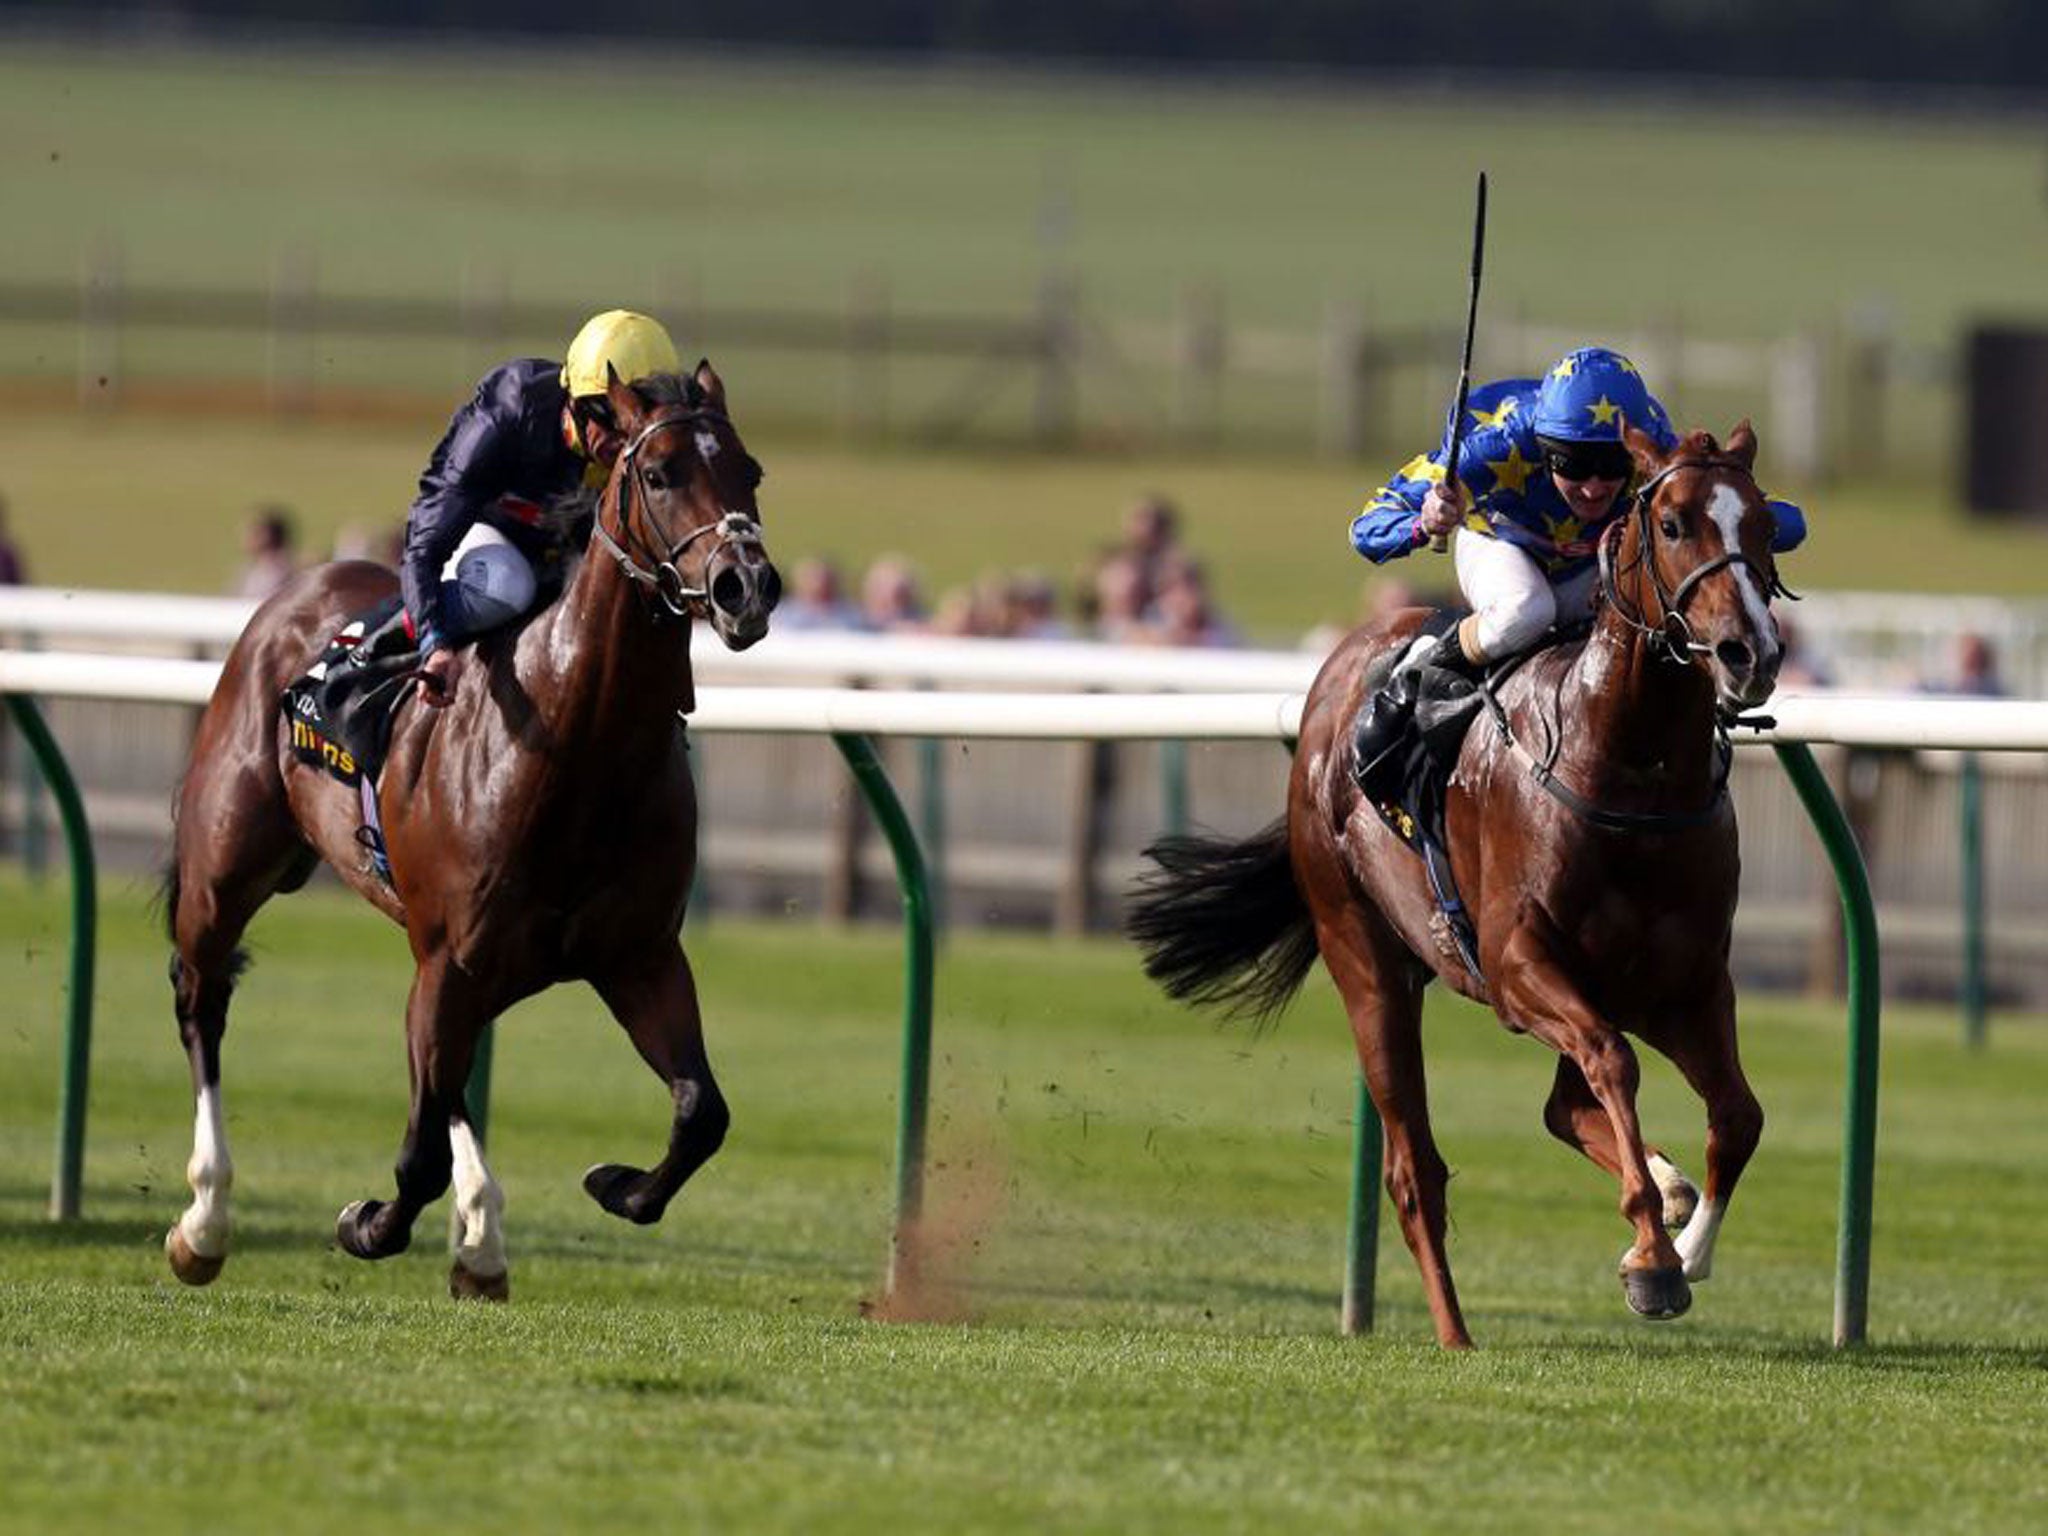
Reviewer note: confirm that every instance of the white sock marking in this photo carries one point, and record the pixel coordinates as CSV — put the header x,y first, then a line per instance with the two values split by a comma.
x,y
211,1173
479,1207
1696,1243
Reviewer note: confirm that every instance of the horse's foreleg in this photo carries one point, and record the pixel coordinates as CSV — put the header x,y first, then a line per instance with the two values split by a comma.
x,y
442,1022
1536,993
657,1005
1579,1120
1706,1053
480,1270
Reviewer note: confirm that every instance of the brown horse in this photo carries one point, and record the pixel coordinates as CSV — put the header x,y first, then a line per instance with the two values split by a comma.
x,y
541,828
1599,871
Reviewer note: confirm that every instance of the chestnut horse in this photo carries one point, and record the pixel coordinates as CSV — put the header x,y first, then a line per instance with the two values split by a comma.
x,y
1592,838
541,828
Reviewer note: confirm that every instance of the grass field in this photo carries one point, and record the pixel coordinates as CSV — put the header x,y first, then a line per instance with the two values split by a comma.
x,y
1145,1215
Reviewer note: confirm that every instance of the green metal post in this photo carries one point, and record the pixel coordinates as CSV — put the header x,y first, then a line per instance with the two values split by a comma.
x,y
71,1098
1361,1258
1971,787
1173,787
1859,1127
931,821
915,1089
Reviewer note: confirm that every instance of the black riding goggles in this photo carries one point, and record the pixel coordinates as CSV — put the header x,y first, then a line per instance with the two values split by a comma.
x,y
1587,461
594,408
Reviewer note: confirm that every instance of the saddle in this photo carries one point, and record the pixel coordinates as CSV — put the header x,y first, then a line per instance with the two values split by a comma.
x,y
342,709
1404,748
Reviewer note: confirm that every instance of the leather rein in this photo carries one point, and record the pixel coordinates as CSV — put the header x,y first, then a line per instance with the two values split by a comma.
x,y
663,572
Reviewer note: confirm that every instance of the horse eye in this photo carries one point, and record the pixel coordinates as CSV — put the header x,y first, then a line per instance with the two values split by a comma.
x,y
1671,529
657,480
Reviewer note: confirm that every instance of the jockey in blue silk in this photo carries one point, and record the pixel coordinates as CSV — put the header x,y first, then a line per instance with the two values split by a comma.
x,y
1546,469
533,432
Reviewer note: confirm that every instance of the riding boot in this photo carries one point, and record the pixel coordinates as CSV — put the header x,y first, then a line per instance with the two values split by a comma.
x,y
390,641
1382,735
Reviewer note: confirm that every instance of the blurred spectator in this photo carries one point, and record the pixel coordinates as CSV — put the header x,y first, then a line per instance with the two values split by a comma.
x,y
890,598
268,545
13,569
1802,666
1973,670
1122,602
817,599
1151,535
1186,616
1033,608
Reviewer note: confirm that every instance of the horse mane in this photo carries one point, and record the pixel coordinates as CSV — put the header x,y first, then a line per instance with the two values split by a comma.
x,y
661,389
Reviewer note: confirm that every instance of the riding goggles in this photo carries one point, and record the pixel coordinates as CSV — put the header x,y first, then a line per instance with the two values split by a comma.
x,y
1587,461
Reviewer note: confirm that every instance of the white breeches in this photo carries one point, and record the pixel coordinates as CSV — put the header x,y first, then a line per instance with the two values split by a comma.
x,y
1511,597
486,582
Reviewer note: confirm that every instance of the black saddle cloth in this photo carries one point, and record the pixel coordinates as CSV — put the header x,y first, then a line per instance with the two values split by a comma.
x,y
341,710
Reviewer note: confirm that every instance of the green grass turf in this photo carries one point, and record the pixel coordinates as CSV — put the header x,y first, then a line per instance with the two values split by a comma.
x,y
1145,1215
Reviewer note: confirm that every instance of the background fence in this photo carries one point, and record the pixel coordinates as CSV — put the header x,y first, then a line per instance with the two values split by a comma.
x,y
1056,370
1050,834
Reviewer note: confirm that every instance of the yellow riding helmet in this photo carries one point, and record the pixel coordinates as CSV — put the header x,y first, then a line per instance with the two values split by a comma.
x,y
630,344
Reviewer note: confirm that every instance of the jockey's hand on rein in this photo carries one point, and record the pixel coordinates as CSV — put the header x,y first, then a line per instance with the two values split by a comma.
x,y
437,678
1442,510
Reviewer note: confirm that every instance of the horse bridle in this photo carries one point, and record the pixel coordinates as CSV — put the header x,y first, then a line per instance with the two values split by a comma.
x,y
662,572
1672,637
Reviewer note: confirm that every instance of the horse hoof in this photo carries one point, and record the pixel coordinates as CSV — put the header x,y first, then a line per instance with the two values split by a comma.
x,y
467,1285
352,1232
613,1185
1659,1294
192,1268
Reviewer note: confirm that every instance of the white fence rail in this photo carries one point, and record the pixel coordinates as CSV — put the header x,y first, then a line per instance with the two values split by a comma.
x,y
1990,725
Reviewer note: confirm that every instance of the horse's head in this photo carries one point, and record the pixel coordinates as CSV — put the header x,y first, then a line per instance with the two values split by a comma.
x,y
1692,564
680,505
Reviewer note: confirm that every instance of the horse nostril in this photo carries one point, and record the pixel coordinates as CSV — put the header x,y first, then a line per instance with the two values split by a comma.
x,y
1735,656
729,590
770,589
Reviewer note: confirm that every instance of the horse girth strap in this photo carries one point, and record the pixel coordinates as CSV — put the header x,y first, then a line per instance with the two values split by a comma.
x,y
1544,772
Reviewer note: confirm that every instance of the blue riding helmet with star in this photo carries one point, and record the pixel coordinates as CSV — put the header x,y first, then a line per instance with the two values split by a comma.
x,y
1588,395
1585,398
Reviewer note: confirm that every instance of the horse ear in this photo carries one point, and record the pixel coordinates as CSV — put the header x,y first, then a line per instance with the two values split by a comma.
x,y
709,381
625,400
1643,449
1742,444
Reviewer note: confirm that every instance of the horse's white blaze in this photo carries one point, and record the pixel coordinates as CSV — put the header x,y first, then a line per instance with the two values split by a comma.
x,y
479,1207
211,1173
1725,508
1696,1243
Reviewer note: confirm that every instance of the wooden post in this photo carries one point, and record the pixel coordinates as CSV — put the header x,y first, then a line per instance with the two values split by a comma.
x,y
99,329
867,359
1091,774
293,347
1198,356
1348,397
1798,413
1059,347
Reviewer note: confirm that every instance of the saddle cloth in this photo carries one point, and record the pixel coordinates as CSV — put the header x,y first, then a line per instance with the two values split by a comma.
x,y
340,711
1406,742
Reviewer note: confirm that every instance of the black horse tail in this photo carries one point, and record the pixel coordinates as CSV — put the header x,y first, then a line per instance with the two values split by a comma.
x,y
1222,924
